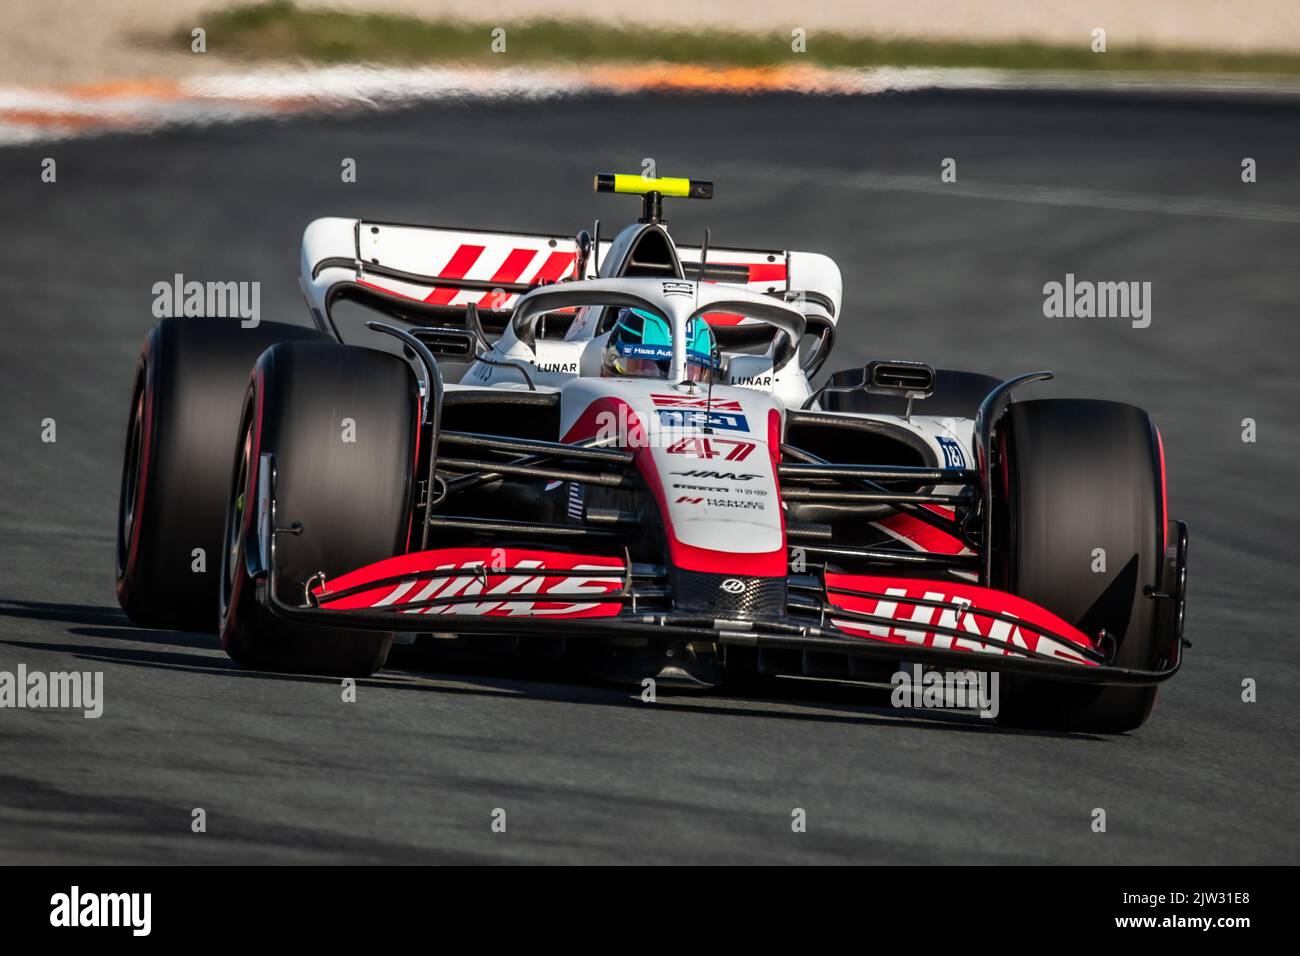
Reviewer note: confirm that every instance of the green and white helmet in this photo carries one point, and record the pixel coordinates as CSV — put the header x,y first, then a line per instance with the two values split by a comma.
x,y
641,346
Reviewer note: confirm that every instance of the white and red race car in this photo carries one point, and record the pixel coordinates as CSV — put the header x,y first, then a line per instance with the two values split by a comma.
x,y
676,502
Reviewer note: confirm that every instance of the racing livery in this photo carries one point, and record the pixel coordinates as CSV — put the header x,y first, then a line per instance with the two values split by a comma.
x,y
618,451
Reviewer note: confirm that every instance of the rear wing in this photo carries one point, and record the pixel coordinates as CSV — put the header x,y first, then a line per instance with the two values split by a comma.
x,y
429,268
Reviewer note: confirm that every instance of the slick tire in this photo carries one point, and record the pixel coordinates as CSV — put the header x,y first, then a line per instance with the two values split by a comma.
x,y
181,432
340,426
1079,529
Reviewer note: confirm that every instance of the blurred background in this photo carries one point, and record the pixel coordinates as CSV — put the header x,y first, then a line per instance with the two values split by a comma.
x,y
56,42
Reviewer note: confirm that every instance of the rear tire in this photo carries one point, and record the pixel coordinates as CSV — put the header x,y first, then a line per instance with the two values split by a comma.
x,y
189,387
352,498
1075,476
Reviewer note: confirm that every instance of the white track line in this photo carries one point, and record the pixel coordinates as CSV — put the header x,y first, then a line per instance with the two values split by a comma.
x,y
1035,195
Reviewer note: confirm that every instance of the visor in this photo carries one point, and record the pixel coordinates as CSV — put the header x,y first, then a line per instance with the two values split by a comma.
x,y
637,360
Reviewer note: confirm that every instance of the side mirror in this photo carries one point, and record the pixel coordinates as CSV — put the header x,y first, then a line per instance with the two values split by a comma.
x,y
451,343
908,379
464,345
583,240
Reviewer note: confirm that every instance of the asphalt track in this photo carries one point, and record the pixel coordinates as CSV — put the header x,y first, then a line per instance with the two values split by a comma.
x,y
1118,188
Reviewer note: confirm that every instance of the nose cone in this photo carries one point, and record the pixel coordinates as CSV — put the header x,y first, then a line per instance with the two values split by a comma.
x,y
728,596
708,458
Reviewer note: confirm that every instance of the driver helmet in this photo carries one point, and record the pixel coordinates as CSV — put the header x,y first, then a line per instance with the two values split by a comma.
x,y
641,346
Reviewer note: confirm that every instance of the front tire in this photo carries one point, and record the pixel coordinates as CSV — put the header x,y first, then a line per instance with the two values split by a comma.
x,y
341,425
1079,529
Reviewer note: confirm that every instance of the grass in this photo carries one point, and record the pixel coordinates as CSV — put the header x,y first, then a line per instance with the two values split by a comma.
x,y
279,29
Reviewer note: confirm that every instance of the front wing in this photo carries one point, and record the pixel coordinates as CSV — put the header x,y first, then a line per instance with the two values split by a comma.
x,y
520,592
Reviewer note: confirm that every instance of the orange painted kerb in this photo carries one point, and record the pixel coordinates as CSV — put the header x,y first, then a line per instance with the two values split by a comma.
x,y
126,103
150,89
722,79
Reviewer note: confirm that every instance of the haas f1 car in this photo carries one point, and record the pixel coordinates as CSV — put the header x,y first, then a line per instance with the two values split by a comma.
x,y
613,451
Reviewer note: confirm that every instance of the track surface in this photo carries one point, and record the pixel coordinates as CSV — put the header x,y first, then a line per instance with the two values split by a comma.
x,y
1106,188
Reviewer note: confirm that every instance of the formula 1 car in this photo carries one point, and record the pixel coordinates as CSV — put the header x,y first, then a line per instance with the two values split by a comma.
x,y
635,470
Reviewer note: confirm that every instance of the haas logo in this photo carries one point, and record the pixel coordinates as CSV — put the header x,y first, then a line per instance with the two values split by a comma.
x,y
732,586
717,475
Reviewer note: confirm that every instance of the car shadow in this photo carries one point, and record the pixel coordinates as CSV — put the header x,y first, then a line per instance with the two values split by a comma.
x,y
66,613
429,671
